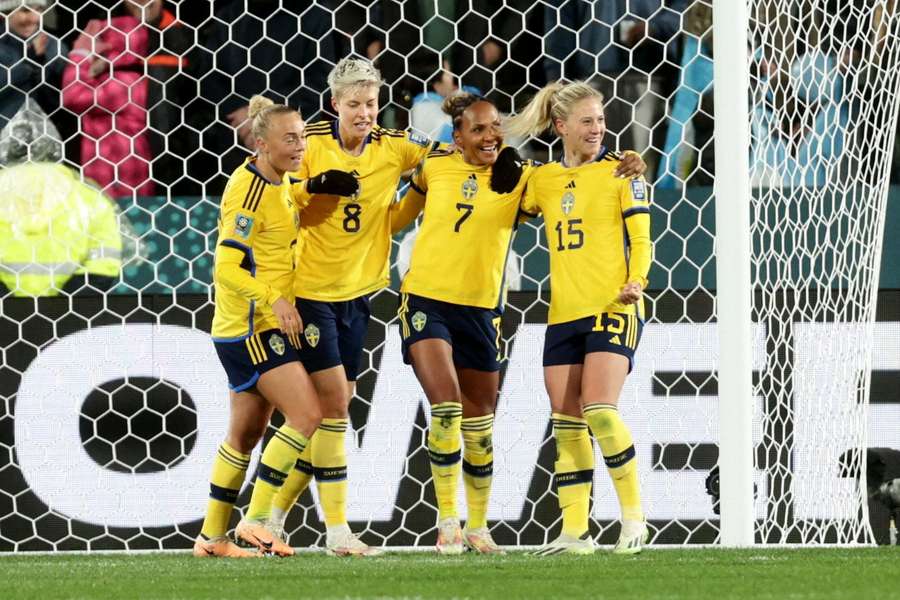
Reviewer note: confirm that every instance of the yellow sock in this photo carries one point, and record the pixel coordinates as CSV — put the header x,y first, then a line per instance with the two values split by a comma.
x,y
329,459
228,472
443,450
574,472
297,481
618,451
478,467
280,455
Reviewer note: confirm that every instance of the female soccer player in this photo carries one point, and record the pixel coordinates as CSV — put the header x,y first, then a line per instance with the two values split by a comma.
x,y
451,304
343,257
256,327
598,230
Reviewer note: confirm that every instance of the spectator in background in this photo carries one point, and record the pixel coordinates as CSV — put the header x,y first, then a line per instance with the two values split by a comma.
x,y
106,85
31,61
57,234
627,50
284,57
688,154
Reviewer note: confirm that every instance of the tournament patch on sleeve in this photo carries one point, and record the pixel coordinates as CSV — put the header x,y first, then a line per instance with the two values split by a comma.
x,y
242,225
638,189
419,139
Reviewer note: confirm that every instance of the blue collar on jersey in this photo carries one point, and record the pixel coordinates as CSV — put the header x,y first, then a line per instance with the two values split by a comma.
x,y
251,166
336,134
603,152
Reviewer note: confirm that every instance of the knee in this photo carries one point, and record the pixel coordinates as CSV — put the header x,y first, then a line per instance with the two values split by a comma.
x,y
333,403
245,441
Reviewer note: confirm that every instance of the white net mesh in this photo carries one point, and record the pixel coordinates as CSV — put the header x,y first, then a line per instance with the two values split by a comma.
x,y
824,88
114,400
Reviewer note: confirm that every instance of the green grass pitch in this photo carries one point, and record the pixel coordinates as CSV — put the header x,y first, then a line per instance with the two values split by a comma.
x,y
757,574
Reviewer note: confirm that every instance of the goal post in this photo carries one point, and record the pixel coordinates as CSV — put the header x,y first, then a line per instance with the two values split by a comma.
x,y
733,286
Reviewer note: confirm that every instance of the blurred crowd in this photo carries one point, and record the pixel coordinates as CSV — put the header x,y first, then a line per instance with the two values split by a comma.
x,y
149,97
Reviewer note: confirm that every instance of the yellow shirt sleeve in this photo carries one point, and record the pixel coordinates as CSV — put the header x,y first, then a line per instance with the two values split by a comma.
x,y
235,266
412,149
634,196
412,203
529,205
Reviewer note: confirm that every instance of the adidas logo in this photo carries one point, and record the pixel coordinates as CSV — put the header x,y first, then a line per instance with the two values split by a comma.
x,y
571,185
472,176
355,173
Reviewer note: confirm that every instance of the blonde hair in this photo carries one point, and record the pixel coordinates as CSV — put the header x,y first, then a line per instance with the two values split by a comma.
x,y
456,104
553,101
261,110
352,73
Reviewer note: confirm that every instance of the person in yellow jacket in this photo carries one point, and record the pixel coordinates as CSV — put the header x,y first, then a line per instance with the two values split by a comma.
x,y
58,235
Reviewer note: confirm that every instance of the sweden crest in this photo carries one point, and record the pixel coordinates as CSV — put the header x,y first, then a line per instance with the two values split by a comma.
x,y
469,189
568,202
418,320
311,333
276,343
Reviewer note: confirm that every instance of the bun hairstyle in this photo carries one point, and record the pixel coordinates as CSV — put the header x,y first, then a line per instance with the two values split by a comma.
x,y
455,104
261,110
351,73
553,101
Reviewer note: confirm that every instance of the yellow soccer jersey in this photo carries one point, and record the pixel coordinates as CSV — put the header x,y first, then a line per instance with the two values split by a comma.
x,y
345,243
467,230
258,225
598,234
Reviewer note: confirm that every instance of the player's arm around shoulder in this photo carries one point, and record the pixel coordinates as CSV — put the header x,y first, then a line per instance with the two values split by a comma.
x,y
410,206
634,197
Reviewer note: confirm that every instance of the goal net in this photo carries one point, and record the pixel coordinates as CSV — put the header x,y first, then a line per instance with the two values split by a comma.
x,y
113,400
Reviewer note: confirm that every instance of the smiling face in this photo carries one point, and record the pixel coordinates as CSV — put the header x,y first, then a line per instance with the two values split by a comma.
x,y
357,110
583,130
479,133
283,145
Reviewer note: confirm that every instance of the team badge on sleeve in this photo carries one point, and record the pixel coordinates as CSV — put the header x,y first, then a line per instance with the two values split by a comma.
x,y
276,343
419,140
311,333
638,189
242,225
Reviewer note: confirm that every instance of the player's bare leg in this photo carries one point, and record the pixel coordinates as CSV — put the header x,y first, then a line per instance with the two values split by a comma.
x,y
432,360
479,391
602,381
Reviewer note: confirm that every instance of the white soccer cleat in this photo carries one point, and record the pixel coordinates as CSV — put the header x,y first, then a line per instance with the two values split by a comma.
x,y
450,538
480,540
633,537
340,541
567,544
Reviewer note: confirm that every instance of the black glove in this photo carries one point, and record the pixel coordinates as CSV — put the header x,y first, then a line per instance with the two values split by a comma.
x,y
507,171
333,182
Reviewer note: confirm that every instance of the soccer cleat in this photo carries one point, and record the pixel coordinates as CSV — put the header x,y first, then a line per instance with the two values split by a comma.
x,y
632,538
450,539
259,536
220,547
340,541
479,540
567,544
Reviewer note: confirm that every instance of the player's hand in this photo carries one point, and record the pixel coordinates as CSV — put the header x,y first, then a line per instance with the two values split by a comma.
x,y
631,293
334,182
506,171
289,320
631,165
